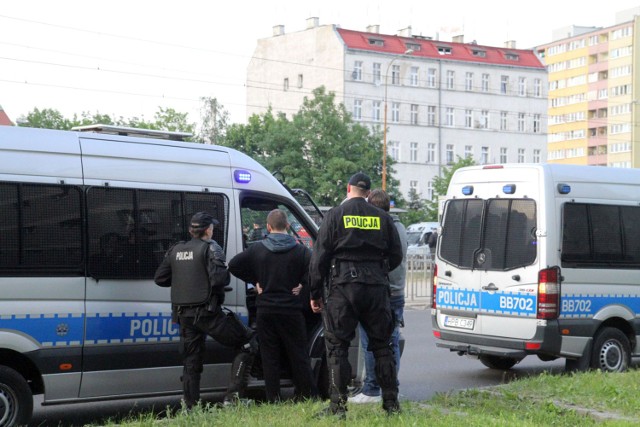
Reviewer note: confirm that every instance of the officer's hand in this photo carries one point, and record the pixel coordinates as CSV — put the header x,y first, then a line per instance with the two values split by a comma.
x,y
297,289
258,288
317,305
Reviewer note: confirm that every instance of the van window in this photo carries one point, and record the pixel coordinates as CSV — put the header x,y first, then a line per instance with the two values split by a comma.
x,y
40,229
494,234
600,236
131,229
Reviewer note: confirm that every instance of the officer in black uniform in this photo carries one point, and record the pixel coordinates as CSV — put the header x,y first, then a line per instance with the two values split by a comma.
x,y
357,246
197,274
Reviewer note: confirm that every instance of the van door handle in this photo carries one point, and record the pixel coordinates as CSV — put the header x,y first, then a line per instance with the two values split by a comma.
x,y
490,287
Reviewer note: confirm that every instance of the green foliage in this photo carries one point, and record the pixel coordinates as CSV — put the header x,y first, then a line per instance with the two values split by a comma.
x,y
441,184
416,209
215,121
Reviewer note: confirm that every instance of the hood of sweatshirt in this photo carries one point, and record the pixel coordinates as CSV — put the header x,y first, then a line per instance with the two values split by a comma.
x,y
278,242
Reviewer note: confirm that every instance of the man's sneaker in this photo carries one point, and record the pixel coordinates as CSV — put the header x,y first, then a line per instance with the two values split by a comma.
x,y
363,398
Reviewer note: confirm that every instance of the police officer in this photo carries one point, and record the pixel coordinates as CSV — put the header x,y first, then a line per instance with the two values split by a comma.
x,y
197,274
357,246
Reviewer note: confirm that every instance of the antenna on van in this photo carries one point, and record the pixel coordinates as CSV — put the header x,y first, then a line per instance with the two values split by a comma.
x,y
129,131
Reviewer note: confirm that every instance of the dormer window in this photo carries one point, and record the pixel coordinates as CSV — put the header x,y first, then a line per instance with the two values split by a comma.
x,y
413,46
444,50
376,42
512,56
479,53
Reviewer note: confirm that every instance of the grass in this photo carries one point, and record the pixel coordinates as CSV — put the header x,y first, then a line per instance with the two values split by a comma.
x,y
584,399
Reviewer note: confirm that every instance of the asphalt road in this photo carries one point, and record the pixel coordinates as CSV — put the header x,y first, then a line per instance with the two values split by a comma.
x,y
425,370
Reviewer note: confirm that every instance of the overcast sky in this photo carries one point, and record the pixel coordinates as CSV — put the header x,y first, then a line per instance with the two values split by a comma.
x,y
127,58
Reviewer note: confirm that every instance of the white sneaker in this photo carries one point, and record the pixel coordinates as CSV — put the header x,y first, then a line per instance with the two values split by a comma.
x,y
363,398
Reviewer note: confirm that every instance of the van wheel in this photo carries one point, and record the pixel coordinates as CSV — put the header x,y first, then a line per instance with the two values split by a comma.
x,y
16,400
498,362
611,351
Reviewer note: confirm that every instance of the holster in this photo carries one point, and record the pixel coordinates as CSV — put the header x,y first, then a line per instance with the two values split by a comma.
x,y
368,272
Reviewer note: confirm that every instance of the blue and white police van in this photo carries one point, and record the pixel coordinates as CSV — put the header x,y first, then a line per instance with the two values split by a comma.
x,y
540,260
85,219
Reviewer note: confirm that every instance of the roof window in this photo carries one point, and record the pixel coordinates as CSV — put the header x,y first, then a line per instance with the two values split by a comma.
x,y
511,56
376,42
444,50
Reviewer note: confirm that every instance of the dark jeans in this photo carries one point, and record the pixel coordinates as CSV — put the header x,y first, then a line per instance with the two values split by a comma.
x,y
284,336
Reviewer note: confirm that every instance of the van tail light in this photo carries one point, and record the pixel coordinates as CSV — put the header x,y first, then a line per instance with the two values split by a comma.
x,y
549,293
434,285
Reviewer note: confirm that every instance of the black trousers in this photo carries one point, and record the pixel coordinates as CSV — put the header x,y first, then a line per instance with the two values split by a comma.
x,y
346,306
284,336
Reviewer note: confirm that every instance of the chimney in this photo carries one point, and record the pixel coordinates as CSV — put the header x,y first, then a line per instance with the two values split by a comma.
x,y
510,44
278,30
405,32
312,22
373,28
458,39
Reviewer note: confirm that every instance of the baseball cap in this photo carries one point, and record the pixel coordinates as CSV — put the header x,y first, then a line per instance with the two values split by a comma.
x,y
360,180
203,220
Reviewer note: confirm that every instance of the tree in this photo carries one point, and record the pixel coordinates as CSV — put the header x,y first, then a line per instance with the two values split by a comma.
x,y
46,118
214,121
416,209
441,184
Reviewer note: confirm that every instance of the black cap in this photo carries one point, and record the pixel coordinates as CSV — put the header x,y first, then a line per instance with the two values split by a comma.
x,y
203,220
360,180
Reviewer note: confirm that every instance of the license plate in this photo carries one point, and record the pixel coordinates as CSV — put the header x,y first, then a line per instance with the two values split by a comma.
x,y
458,322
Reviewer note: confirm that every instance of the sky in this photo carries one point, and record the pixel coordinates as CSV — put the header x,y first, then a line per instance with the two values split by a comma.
x,y
128,58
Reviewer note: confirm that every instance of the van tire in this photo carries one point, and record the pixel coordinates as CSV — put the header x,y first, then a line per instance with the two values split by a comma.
x,y
498,362
611,351
16,399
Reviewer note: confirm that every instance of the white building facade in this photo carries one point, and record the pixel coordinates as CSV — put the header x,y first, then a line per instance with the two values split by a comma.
x,y
443,99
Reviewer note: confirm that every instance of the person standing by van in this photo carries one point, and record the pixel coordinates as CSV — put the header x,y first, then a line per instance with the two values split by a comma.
x,y
197,274
370,392
357,245
277,265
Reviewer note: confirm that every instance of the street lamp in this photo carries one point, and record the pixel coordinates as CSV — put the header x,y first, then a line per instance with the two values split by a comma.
x,y
384,132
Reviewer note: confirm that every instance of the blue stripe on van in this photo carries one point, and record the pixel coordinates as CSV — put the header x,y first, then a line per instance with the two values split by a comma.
x,y
509,303
587,305
49,330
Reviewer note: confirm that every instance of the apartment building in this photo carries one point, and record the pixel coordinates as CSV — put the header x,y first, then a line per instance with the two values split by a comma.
x,y
442,99
593,85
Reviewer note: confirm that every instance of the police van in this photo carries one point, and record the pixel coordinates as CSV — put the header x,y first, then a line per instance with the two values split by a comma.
x,y
540,260
85,218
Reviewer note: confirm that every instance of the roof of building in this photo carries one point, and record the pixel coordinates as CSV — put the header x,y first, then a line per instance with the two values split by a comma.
x,y
427,48
4,119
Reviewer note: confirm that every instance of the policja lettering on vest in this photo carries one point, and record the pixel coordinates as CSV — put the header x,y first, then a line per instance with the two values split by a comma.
x,y
362,222
184,256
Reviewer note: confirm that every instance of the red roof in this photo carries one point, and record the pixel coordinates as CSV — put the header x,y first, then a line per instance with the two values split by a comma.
x,y
397,45
4,119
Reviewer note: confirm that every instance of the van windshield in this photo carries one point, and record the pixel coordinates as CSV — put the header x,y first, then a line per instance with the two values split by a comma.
x,y
413,237
493,234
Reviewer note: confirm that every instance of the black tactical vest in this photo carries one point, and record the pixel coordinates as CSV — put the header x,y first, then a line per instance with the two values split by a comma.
x,y
190,281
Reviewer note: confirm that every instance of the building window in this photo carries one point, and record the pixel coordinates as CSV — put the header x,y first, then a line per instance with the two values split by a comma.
x,y
357,71
521,117
395,112
468,82
536,156
430,190
484,155
468,118
503,154
395,74
503,120
285,85
431,115
536,123
376,42
300,81
377,73
413,186
537,88
520,155
485,82
431,152
522,86
450,77
394,150
414,114
357,109
414,76
377,111
449,154
431,77
504,84
413,152
484,119
449,116
444,50
468,151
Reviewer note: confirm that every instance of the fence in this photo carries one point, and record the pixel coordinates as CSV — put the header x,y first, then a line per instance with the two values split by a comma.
x,y
419,270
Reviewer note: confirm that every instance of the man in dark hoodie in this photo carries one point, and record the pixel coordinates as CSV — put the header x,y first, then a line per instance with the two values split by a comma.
x,y
278,265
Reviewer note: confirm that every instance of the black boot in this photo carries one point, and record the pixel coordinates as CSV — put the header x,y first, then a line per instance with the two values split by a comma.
x,y
240,371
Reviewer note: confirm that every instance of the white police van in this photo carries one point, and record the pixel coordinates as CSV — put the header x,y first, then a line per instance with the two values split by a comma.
x,y
85,219
540,260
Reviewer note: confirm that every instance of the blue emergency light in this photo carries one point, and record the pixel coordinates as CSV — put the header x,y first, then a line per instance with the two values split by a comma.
x,y
509,189
564,188
242,176
467,190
